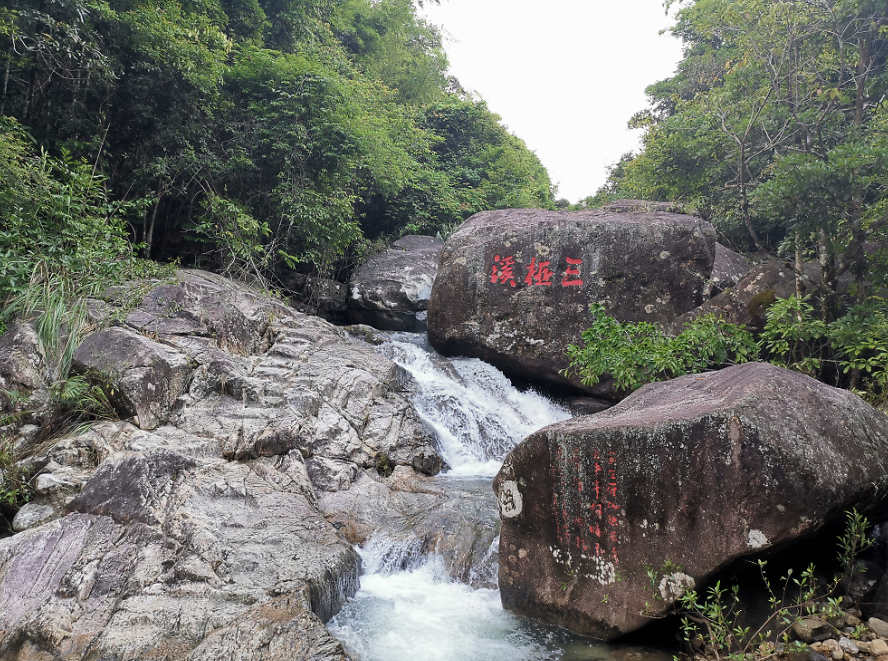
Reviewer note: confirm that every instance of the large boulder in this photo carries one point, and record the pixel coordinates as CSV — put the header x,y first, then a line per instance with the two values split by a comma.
x,y
391,290
700,471
197,533
746,304
728,269
514,286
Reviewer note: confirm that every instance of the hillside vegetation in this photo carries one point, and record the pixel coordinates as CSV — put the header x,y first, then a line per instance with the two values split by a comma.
x,y
775,128
238,135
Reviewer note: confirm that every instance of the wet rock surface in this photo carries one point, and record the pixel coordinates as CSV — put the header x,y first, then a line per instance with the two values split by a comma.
x,y
391,290
514,286
741,461
191,526
418,516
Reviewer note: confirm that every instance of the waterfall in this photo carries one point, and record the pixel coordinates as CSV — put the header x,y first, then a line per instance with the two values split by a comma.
x,y
408,606
476,413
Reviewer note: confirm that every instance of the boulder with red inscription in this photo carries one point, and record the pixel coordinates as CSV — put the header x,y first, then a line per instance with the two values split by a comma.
x,y
700,471
514,286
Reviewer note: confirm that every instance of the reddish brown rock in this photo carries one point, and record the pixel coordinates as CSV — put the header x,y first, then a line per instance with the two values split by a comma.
x,y
700,471
514,286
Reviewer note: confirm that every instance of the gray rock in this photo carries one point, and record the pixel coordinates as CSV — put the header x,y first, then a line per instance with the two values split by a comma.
x,y
48,483
415,515
879,627
201,531
22,365
728,269
747,303
331,474
743,460
848,645
587,406
208,306
141,377
30,515
202,546
277,630
391,287
515,285
317,294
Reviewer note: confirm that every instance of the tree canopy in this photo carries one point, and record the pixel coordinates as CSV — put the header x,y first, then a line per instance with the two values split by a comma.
x,y
774,128
260,133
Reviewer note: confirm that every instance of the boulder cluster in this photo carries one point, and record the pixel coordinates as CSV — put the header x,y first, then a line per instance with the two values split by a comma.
x,y
190,528
251,446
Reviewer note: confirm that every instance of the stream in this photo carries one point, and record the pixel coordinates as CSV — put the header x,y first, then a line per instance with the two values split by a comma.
x,y
408,607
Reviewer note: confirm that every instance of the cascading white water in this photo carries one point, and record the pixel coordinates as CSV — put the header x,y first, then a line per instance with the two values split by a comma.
x,y
408,607
475,411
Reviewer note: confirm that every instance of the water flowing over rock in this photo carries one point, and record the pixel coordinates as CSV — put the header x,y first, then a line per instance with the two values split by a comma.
x,y
514,286
391,290
700,471
192,527
478,416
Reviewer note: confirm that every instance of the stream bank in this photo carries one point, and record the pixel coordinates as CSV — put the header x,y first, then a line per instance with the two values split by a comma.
x,y
429,582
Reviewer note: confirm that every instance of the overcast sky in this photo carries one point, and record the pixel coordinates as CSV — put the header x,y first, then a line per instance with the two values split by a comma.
x,y
565,75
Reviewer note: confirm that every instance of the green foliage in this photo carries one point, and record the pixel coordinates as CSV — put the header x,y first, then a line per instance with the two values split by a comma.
x,y
14,488
55,216
61,240
793,337
637,353
290,129
774,128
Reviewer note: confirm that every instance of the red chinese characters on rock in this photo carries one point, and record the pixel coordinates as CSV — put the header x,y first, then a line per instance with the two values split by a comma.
x,y
572,270
587,514
503,270
538,272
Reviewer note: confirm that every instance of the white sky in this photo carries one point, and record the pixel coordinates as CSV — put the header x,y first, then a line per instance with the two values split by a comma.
x,y
565,75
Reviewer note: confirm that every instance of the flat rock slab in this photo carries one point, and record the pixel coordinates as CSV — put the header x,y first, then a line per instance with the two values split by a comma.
x,y
514,286
699,471
390,289
206,550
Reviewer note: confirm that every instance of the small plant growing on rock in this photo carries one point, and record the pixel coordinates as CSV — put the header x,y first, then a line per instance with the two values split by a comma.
x,y
383,465
15,490
638,353
711,623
